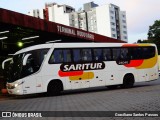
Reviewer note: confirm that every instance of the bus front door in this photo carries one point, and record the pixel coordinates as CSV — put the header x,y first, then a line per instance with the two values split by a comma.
x,y
29,85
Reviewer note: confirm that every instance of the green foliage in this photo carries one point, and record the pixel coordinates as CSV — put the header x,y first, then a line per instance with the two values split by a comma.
x,y
154,31
154,34
139,41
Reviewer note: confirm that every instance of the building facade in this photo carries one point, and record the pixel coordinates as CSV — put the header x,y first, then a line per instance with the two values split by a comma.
x,y
107,20
37,13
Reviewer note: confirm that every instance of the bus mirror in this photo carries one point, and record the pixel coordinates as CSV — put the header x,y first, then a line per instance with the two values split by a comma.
x,y
25,59
3,63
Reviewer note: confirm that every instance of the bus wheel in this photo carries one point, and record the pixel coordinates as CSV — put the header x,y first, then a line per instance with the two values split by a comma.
x,y
112,87
54,88
128,81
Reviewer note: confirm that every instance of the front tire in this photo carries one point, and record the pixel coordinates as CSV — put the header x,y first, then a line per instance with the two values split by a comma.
x,y
54,88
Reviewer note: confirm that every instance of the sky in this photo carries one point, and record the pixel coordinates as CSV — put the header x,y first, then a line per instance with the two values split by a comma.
x,y
140,13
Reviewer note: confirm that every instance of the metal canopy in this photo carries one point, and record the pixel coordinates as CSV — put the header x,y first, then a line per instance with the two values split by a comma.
x,y
16,27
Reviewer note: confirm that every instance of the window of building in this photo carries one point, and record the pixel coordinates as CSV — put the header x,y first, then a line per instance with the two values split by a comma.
x,y
113,29
112,12
124,26
124,21
125,37
124,16
91,22
112,17
113,35
125,32
112,23
92,28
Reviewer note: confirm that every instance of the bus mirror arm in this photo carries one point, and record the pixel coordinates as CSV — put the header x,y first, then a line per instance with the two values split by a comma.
x,y
3,63
25,59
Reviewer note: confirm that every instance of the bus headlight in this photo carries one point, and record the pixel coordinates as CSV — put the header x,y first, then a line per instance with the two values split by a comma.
x,y
15,85
12,86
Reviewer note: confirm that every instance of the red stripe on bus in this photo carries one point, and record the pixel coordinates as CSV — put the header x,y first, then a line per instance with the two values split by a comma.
x,y
134,63
129,45
66,74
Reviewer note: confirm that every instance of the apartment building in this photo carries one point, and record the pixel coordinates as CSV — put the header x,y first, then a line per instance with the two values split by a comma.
x,y
107,20
39,13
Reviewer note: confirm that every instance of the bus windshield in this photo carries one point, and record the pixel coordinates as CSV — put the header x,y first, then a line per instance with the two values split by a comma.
x,y
15,70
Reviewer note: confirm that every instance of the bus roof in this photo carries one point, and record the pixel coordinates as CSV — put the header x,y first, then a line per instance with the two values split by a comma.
x,y
75,45
41,46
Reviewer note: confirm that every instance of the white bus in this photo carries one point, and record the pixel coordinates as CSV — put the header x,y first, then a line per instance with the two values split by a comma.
x,y
55,67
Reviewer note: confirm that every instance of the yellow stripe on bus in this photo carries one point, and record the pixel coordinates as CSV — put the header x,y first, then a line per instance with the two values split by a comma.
x,y
84,76
149,63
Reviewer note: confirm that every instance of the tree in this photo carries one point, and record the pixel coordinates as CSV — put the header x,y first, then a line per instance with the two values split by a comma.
x,y
154,34
139,41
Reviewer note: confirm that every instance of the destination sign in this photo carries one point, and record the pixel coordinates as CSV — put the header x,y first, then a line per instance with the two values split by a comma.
x,y
75,32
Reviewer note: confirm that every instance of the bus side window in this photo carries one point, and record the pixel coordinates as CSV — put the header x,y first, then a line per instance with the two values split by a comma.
x,y
124,53
97,54
42,56
148,52
140,53
151,51
86,55
116,53
67,55
76,55
107,54
132,53
56,57
29,68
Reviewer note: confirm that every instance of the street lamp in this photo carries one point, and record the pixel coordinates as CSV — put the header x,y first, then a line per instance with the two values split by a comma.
x,y
20,44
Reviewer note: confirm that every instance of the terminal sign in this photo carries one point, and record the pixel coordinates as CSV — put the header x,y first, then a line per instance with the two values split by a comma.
x,y
75,32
